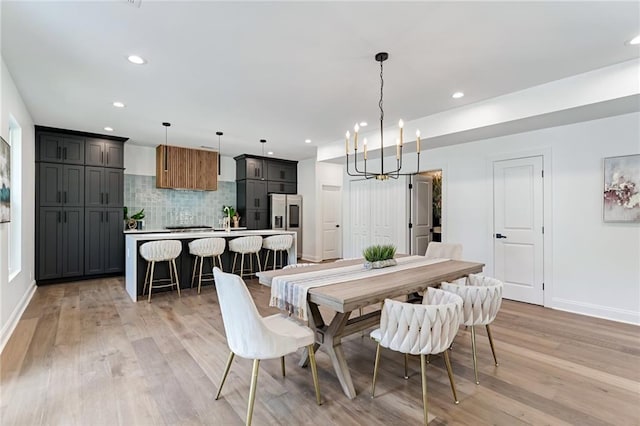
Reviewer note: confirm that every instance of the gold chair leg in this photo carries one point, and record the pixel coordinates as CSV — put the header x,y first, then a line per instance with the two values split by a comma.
x,y
193,274
266,260
375,371
259,266
241,265
423,372
447,362
220,262
252,392
473,350
226,372
175,272
406,366
146,276
282,364
314,372
153,264
493,350
233,268
200,275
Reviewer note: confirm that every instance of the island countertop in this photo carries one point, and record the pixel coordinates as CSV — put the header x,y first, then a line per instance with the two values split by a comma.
x,y
134,239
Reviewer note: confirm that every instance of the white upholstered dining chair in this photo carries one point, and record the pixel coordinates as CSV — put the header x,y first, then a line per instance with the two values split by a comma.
x,y
482,297
437,250
251,336
414,329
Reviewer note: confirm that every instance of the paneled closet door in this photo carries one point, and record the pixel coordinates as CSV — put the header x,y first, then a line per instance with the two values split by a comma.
x,y
359,217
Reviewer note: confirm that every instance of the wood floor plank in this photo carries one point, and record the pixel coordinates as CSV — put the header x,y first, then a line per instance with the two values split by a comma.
x,y
84,354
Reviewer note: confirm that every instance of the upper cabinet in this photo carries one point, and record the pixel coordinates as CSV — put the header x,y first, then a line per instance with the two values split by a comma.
x,y
184,168
262,168
57,148
281,171
106,153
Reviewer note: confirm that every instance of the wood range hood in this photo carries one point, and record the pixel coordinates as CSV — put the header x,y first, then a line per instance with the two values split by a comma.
x,y
186,168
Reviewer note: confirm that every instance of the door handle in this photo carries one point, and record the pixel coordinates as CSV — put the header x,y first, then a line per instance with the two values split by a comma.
x,y
102,157
337,226
500,236
107,158
59,153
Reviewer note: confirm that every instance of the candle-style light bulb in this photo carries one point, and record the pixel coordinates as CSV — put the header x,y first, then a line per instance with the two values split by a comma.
x,y
365,148
355,136
346,142
418,140
401,125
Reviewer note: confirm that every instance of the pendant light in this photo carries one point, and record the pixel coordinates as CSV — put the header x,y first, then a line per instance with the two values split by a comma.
x,y
219,133
166,154
263,142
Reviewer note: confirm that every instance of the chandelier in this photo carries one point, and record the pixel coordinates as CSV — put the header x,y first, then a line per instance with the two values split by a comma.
x,y
381,174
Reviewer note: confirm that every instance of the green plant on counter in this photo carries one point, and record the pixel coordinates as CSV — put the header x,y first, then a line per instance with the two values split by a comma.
x,y
229,211
139,215
379,252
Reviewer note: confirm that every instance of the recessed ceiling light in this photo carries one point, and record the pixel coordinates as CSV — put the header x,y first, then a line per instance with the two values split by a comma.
x,y
635,40
363,124
270,152
135,59
119,104
457,95
307,141
109,129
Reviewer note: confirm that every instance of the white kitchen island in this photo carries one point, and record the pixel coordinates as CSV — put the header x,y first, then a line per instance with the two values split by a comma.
x,y
133,260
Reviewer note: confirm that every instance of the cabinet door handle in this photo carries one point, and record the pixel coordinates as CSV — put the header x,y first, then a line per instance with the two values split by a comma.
x,y
64,153
58,197
59,153
102,157
65,217
107,158
65,197
102,198
58,217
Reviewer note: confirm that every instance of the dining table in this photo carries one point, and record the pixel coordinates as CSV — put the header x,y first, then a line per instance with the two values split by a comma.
x,y
347,286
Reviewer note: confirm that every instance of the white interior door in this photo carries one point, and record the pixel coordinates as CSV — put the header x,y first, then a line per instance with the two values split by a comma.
x,y
331,214
518,228
421,215
359,217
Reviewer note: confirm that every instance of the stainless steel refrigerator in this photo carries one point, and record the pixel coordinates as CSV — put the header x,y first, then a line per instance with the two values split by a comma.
x,y
285,211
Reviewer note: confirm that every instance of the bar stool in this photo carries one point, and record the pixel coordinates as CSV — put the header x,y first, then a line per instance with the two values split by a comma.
x,y
276,243
206,247
246,245
161,251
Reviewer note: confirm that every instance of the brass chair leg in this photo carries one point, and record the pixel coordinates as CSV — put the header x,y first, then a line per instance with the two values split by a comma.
x,y
314,372
220,262
473,350
252,392
375,371
406,366
241,265
193,274
146,276
493,350
447,362
153,264
259,266
266,260
226,372
200,276
423,372
233,268
175,272
282,363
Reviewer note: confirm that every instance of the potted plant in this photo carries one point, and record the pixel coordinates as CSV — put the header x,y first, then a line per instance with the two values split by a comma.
x,y
132,222
230,214
379,256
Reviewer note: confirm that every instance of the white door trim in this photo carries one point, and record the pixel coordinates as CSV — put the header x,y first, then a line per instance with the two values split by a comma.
x,y
545,152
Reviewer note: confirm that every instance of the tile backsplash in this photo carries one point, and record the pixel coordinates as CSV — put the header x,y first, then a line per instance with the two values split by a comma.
x,y
164,207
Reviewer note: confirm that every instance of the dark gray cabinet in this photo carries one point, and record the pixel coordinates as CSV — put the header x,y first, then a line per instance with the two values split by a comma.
x,y
57,148
104,187
104,241
104,153
61,242
79,200
60,185
256,178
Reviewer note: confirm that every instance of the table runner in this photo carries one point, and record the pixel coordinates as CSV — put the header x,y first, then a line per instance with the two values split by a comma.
x,y
289,292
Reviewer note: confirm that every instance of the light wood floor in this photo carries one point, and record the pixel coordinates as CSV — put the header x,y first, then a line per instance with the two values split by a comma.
x,y
84,354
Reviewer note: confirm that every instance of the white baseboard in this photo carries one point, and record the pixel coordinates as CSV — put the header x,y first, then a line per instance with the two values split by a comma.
x,y
10,326
598,311
309,258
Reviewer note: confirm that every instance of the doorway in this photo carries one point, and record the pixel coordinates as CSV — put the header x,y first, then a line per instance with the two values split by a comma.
x,y
331,216
518,213
426,210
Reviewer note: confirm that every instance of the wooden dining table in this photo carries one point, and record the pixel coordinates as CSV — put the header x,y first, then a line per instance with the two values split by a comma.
x,y
346,297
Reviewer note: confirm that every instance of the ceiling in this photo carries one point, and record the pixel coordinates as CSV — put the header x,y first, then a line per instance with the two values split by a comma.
x,y
290,71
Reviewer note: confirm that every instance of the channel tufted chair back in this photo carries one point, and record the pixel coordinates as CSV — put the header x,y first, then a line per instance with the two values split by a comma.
x,y
423,330
437,250
482,298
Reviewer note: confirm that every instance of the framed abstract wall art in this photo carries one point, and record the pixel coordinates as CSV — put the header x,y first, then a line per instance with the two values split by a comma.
x,y
622,189
5,181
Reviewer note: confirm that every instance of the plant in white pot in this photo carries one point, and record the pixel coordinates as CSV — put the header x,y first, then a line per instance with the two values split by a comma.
x,y
379,256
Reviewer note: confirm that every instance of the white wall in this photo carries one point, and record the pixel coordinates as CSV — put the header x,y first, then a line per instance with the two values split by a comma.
x,y
595,266
141,160
15,295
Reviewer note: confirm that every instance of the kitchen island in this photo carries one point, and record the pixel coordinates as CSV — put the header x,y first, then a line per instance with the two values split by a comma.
x,y
135,265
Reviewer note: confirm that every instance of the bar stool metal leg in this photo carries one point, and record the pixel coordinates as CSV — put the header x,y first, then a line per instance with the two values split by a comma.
x,y
153,264
175,271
